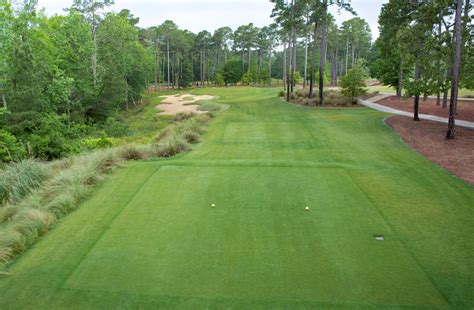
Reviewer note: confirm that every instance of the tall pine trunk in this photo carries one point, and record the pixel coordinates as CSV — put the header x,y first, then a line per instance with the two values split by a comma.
x,y
305,78
293,62
400,80
250,59
201,69
94,55
288,68
270,66
322,58
456,67
417,92
438,91
334,69
126,93
168,54
156,71
284,77
353,55
313,62
347,56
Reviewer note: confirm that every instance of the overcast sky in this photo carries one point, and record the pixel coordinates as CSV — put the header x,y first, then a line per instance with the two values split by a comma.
x,y
197,15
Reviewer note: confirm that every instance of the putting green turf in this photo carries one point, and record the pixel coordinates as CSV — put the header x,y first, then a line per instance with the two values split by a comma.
x,y
149,237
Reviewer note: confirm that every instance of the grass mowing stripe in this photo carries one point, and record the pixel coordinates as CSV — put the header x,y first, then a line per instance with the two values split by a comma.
x,y
111,220
374,205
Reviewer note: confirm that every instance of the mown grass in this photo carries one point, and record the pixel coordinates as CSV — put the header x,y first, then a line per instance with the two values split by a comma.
x,y
149,237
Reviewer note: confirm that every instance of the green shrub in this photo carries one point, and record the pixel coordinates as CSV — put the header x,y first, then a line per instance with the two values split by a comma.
x,y
219,80
232,71
246,78
114,127
19,179
98,143
281,93
353,84
10,148
53,138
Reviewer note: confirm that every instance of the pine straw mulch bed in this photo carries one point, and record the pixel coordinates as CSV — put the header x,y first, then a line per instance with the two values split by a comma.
x,y
465,107
428,138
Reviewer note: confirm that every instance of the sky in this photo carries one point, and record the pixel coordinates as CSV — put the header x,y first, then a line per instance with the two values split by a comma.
x,y
197,15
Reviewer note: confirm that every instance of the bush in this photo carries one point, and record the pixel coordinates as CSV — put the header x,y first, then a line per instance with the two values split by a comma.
x,y
114,127
282,93
219,80
20,179
10,148
134,152
314,101
353,84
191,136
98,143
53,138
335,98
172,145
232,71
246,78
302,93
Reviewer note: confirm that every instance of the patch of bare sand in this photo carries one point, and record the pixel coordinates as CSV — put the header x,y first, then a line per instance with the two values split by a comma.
x,y
175,104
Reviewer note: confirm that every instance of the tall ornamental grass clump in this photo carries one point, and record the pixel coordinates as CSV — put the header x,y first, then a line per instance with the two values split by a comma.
x,y
18,180
178,138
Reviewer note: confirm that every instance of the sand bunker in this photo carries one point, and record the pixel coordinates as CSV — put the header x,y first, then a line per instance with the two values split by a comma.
x,y
175,104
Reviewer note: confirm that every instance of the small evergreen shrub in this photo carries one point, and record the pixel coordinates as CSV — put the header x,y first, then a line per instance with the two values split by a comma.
x,y
353,84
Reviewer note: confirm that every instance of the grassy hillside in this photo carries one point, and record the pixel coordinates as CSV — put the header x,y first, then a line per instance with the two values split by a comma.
x,y
150,236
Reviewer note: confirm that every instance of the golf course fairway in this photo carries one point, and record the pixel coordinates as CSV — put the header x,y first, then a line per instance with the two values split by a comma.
x,y
150,236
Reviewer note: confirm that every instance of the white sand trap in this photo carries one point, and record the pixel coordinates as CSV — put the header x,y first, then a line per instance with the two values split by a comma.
x,y
175,104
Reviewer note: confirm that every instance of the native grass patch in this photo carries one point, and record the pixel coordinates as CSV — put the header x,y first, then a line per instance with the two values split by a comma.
x,y
34,195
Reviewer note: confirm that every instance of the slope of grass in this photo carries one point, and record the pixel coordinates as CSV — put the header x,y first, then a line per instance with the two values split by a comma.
x,y
150,237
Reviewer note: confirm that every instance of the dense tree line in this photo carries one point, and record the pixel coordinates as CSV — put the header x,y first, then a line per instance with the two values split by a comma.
x,y
426,48
63,76
67,77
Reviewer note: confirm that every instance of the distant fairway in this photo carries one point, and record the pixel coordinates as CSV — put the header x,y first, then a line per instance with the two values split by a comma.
x,y
150,238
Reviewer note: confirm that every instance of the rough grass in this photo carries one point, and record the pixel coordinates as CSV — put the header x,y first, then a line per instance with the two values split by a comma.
x,y
33,202
18,180
179,137
212,106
